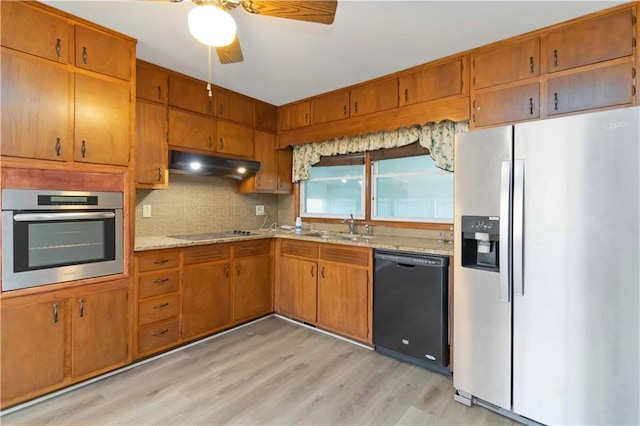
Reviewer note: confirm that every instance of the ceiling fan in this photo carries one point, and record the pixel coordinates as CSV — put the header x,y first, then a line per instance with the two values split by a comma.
x,y
317,11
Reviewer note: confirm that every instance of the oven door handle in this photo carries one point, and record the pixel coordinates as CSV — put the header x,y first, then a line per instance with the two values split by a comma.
x,y
42,217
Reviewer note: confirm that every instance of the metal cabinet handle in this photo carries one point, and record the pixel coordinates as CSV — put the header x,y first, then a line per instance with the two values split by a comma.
x,y
312,271
344,109
322,273
58,47
531,106
226,270
306,118
355,107
406,95
160,281
58,146
258,181
84,54
221,144
210,141
55,313
81,302
159,93
238,269
531,64
221,109
160,333
160,261
83,150
555,101
159,174
161,306
555,58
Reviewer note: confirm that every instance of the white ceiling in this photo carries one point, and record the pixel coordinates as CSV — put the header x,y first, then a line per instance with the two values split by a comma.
x,y
286,60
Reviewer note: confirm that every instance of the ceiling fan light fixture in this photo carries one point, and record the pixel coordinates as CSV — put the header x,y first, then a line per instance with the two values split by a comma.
x,y
212,26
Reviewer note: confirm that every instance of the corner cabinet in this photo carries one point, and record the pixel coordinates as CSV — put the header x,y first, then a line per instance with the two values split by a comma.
x,y
63,337
326,285
274,175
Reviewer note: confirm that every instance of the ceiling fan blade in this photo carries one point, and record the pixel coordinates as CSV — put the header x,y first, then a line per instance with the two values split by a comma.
x,y
231,53
320,11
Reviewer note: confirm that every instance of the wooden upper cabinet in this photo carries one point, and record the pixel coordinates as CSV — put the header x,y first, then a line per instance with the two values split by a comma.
x,y
190,94
101,121
265,152
235,139
506,63
330,107
266,116
293,116
431,83
151,82
151,144
507,105
285,169
591,41
374,97
235,107
596,88
191,130
36,117
34,31
103,53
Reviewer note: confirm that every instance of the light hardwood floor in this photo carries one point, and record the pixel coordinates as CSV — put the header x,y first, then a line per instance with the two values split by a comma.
x,y
270,372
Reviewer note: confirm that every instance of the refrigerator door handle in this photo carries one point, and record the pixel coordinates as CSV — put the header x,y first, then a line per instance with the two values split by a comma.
x,y
518,227
505,202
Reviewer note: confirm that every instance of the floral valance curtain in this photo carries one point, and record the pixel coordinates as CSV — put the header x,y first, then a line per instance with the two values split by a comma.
x,y
436,137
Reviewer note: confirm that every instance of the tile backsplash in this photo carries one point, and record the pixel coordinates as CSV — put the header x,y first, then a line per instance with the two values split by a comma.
x,y
194,204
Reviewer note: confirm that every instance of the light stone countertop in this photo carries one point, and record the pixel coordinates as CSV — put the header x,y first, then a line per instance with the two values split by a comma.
x,y
384,242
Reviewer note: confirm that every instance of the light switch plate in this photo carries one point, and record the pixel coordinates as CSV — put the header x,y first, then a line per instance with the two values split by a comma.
x,y
146,210
259,210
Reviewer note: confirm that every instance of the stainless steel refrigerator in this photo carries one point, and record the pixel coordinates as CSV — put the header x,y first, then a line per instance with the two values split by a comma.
x,y
547,253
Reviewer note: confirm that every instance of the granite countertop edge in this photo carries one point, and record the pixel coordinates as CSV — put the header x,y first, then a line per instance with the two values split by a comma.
x,y
380,242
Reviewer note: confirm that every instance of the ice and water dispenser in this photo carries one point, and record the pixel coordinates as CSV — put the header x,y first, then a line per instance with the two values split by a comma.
x,y
481,242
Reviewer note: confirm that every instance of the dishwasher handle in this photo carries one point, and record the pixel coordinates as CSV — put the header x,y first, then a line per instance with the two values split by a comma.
x,y
413,260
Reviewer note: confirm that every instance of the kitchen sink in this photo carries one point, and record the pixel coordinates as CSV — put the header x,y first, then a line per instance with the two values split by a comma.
x,y
338,236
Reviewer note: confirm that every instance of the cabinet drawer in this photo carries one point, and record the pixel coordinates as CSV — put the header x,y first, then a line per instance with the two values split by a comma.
x,y
208,253
158,260
345,255
158,283
252,248
158,309
296,248
158,335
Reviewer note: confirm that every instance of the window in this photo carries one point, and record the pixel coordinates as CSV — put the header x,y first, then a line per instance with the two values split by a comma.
x,y
411,189
333,191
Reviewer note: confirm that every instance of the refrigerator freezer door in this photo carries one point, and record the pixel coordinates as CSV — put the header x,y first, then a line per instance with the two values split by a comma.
x,y
482,322
576,326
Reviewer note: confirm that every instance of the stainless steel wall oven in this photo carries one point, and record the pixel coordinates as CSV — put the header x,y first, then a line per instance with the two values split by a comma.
x,y
56,236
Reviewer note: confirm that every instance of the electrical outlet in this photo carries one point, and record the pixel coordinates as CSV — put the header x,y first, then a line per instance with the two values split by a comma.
x,y
146,210
259,210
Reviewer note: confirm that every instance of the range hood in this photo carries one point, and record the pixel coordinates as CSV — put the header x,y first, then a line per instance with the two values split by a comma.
x,y
201,164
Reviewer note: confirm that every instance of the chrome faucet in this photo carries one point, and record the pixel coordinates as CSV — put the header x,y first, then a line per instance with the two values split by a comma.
x,y
351,224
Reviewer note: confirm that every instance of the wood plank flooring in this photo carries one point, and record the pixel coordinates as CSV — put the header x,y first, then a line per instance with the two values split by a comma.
x,y
270,372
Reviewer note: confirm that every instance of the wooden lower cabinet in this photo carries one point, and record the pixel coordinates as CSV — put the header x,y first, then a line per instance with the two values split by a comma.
x,y
52,340
206,298
33,349
298,288
252,295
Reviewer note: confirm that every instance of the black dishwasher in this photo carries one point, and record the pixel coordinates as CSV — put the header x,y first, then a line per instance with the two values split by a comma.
x,y
411,308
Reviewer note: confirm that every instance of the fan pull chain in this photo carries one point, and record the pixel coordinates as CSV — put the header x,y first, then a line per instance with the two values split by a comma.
x,y
209,74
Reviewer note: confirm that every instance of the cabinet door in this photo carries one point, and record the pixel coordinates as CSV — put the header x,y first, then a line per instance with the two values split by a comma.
x,y
34,31
506,105
190,94
101,121
297,288
252,287
431,83
206,298
285,170
266,178
597,88
103,53
151,82
151,144
266,116
36,117
374,97
33,341
235,139
506,63
343,300
100,331
191,130
294,116
330,107
234,107
595,40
